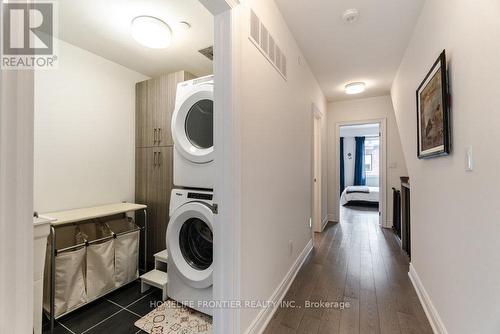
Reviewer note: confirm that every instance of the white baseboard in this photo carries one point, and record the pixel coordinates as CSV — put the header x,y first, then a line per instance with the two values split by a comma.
x,y
331,217
324,222
264,317
431,312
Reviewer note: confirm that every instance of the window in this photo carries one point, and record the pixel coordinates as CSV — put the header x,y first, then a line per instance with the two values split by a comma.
x,y
372,151
368,162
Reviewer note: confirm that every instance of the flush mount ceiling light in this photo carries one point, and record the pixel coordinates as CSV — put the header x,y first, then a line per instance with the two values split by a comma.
x,y
182,26
350,15
355,88
151,32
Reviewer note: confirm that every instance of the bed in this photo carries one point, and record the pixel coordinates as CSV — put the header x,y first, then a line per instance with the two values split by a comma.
x,y
360,195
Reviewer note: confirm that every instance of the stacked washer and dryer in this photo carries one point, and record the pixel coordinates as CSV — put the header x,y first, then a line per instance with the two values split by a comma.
x,y
189,235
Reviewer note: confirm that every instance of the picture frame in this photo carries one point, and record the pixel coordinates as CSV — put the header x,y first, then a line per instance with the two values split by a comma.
x,y
433,112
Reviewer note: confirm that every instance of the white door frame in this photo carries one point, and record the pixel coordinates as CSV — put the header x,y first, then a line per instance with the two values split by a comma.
x,y
16,199
227,144
317,168
383,165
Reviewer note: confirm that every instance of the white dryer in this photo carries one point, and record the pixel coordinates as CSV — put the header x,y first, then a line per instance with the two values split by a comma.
x,y
193,134
190,248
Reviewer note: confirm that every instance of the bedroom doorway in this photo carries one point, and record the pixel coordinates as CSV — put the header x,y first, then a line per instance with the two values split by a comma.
x,y
361,170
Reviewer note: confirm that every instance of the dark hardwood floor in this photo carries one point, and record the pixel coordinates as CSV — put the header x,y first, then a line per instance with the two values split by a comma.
x,y
357,263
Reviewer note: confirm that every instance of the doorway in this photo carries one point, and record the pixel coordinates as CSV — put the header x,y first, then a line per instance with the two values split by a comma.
x,y
361,169
17,131
317,219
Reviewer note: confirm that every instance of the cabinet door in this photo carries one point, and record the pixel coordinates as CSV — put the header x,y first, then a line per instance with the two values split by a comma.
x,y
166,104
152,111
164,187
144,114
145,193
153,201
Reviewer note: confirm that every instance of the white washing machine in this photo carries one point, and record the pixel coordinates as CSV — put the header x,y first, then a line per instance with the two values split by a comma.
x,y
193,134
190,248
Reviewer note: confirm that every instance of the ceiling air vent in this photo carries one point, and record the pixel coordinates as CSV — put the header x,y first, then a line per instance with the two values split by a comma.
x,y
266,44
208,52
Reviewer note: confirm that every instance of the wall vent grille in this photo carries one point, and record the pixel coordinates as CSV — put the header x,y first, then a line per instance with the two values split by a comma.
x,y
255,28
272,50
264,39
267,45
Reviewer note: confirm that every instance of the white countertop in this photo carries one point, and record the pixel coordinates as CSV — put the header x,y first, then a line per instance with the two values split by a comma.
x,y
40,220
71,216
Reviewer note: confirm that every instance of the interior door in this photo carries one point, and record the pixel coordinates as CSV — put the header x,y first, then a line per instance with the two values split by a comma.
x,y
164,187
317,176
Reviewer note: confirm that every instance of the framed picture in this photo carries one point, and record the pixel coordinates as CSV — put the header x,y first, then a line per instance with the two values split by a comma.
x,y
433,113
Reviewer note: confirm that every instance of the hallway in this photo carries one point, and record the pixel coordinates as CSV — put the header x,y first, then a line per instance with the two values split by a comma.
x,y
356,262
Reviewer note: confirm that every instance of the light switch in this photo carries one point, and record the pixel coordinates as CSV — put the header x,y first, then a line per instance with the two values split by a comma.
x,y
469,160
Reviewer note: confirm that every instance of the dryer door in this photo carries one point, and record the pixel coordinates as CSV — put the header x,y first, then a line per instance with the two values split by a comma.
x,y
190,243
193,125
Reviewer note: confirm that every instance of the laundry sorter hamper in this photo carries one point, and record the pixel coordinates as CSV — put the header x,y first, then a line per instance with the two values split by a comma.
x,y
126,245
100,258
69,271
90,253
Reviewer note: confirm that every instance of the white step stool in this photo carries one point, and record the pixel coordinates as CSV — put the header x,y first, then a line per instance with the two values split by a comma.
x,y
157,277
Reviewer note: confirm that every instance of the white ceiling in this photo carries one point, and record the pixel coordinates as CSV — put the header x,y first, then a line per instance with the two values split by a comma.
x,y
103,27
368,50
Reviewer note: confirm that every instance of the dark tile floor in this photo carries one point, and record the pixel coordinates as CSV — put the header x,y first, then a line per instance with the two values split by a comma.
x,y
115,313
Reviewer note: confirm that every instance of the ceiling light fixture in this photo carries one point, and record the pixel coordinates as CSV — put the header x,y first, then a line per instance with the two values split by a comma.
x,y
182,26
151,32
350,15
355,88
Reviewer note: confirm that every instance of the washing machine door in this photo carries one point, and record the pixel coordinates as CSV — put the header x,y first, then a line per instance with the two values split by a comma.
x,y
193,124
190,243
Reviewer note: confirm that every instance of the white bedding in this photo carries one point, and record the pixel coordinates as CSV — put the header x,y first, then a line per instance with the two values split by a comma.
x,y
372,196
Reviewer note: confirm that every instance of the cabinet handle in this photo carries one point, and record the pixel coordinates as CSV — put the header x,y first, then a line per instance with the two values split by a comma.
x,y
154,136
154,159
159,159
159,135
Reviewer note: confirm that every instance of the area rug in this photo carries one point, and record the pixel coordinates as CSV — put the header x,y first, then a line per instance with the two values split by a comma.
x,y
173,318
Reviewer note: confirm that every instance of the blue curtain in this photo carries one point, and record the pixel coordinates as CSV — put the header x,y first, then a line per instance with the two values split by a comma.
x,y
359,163
342,173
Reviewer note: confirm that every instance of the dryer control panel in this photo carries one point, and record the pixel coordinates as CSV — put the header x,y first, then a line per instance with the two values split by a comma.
x,y
180,197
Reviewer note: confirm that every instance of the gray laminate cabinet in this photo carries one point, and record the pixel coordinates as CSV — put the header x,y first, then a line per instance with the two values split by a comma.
x,y
155,102
144,114
164,180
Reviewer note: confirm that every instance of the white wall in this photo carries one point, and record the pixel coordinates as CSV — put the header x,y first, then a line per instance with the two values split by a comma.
x,y
84,132
359,110
455,214
276,177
